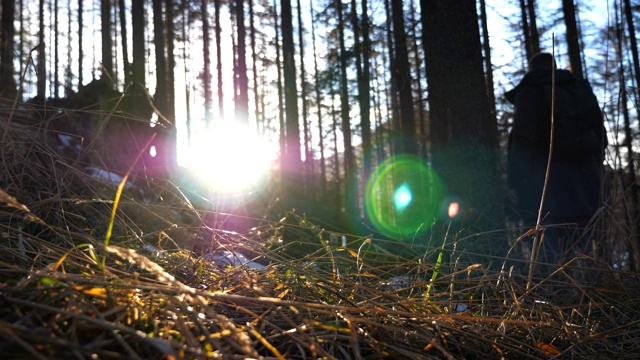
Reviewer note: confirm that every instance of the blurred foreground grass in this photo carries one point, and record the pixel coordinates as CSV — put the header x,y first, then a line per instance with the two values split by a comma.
x,y
158,295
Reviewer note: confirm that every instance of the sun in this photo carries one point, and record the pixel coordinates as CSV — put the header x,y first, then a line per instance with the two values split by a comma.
x,y
230,158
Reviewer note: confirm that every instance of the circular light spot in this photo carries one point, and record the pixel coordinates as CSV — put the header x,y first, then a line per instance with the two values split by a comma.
x,y
403,196
453,210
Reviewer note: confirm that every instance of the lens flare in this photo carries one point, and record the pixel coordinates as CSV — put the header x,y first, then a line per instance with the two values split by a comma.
x,y
453,210
403,196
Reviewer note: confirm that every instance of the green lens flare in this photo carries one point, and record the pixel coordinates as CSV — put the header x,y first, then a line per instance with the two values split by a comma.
x,y
403,197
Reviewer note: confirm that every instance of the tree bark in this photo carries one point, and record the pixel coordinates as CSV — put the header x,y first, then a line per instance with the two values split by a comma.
x,y
573,43
7,81
242,99
463,133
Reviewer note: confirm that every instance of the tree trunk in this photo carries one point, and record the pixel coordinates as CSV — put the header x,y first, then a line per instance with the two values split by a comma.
x,y
634,47
42,67
573,43
631,179
308,158
323,167
463,134
206,57
254,59
80,33
293,156
344,95
533,27
488,66
217,31
402,71
138,74
242,99
107,43
7,81
160,96
125,42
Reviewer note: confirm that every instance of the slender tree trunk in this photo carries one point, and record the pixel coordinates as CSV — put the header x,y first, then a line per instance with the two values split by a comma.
x,y
392,93
161,60
42,67
344,95
218,31
283,130
7,81
206,56
171,62
525,29
634,47
631,177
242,100
403,80
125,42
323,167
365,93
533,27
254,59
418,66
185,59
488,66
308,158
573,43
56,51
107,43
80,45
138,73
294,161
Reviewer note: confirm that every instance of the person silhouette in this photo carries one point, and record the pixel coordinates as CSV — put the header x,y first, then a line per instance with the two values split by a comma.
x,y
579,139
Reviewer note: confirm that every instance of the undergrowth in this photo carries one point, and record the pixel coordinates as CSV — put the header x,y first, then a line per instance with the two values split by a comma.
x,y
152,291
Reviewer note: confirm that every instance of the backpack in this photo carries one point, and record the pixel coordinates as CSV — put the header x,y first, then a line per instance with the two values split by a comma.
x,y
578,122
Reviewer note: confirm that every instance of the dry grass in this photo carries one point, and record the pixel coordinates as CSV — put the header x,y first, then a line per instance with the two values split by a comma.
x,y
157,298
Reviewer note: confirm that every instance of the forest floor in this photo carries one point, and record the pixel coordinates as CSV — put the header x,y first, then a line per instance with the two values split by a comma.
x,y
87,272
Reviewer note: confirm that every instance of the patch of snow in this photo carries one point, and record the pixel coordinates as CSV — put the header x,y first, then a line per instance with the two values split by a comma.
x,y
227,257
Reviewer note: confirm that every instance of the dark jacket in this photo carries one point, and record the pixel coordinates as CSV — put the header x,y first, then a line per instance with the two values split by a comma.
x,y
574,181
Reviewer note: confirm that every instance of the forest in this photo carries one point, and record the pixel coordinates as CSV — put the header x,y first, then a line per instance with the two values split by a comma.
x,y
301,179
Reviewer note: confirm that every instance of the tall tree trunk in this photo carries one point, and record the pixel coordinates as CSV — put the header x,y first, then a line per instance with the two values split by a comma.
x,y
488,66
138,73
171,62
361,53
125,42
206,56
283,130
42,67
80,51
392,93
573,43
7,81
533,27
242,99
403,80
254,60
633,246
463,133
417,63
308,160
107,43
56,51
634,47
365,92
344,95
161,60
524,19
218,31
323,166
293,155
